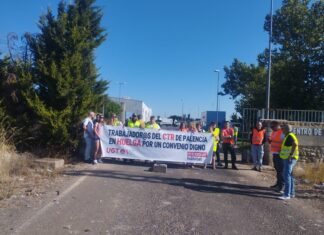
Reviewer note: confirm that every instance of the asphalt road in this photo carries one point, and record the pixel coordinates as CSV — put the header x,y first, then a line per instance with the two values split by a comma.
x,y
114,198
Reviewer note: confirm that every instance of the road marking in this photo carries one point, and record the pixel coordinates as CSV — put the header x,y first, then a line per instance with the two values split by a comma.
x,y
46,207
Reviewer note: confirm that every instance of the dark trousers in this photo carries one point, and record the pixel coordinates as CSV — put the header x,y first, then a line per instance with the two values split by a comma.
x,y
217,155
278,165
229,148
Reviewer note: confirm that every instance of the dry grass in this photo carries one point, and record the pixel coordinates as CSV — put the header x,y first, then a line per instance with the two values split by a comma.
x,y
16,169
314,173
11,166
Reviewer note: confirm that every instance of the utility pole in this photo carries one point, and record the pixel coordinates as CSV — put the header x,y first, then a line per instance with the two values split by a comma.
x,y
103,105
119,89
267,153
217,71
269,66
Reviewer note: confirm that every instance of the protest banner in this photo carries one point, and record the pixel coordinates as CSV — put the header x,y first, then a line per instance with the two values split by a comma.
x,y
156,145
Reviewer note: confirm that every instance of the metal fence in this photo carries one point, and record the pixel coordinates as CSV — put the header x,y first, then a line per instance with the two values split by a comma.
x,y
252,115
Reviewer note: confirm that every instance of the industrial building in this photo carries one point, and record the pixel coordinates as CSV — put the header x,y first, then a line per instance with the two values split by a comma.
x,y
130,106
213,116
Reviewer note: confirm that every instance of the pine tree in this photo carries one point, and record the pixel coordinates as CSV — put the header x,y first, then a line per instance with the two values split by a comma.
x,y
65,78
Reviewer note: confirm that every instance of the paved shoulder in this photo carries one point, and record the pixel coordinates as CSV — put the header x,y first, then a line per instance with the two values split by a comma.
x,y
127,199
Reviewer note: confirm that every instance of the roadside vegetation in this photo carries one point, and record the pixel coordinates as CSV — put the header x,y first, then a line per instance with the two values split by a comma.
x,y
11,163
17,170
314,174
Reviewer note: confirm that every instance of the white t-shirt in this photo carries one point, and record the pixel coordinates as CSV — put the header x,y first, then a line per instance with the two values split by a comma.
x,y
88,133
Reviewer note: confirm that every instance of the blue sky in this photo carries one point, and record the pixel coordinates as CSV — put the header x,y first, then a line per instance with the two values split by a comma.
x,y
165,50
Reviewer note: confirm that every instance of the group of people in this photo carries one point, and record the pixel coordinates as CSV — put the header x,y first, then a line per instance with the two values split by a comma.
x,y
284,148
226,138
92,125
283,142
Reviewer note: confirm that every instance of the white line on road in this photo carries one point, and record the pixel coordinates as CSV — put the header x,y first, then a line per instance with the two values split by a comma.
x,y
46,207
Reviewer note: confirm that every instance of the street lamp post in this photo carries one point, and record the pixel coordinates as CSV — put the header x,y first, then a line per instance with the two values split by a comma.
x,y
103,105
182,109
268,158
119,89
217,71
269,66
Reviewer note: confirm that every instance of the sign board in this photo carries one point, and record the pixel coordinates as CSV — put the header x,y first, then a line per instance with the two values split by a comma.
x,y
309,136
156,145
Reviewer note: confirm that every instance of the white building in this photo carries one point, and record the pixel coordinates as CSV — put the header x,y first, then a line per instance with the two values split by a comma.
x,y
134,106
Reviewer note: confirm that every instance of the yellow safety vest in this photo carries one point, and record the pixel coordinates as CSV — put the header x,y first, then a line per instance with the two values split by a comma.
x,y
152,126
286,150
131,124
216,133
235,131
137,124
116,123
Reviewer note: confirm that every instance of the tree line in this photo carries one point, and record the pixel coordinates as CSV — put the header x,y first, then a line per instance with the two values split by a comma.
x,y
297,75
49,81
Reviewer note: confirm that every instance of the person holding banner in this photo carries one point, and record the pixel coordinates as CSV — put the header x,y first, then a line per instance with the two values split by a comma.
x,y
228,145
183,127
133,122
152,124
199,128
141,121
192,127
97,130
114,120
216,157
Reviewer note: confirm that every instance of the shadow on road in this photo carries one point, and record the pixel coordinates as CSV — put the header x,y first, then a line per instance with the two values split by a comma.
x,y
195,184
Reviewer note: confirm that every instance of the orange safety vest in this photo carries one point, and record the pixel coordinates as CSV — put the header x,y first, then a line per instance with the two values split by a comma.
x,y
276,141
257,136
226,133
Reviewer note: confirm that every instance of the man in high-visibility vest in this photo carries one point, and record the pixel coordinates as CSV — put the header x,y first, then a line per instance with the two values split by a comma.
x,y
290,154
133,122
235,134
257,142
152,124
228,145
140,123
216,157
275,140
114,120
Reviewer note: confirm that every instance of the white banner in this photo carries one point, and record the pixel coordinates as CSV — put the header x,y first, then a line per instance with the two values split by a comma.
x,y
156,145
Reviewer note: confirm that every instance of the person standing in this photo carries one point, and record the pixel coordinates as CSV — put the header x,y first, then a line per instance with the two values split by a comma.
x,y
235,134
215,132
290,154
183,127
133,122
97,133
257,142
140,122
275,140
199,128
192,127
88,135
152,124
228,145
114,121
